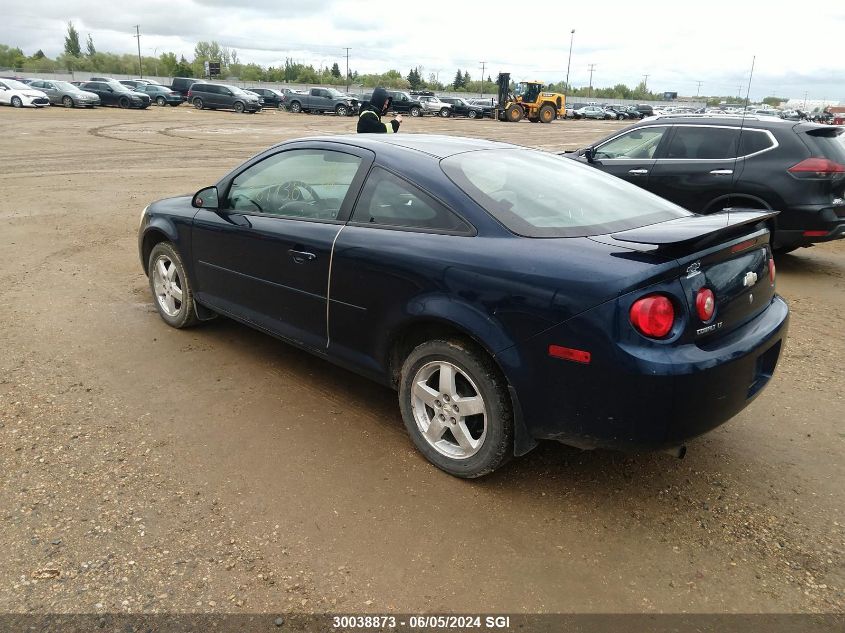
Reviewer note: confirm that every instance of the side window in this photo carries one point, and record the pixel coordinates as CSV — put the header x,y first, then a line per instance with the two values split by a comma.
x,y
387,200
299,183
638,143
703,143
753,141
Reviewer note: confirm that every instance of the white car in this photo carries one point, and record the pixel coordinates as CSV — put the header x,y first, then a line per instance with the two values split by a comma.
x,y
433,105
19,95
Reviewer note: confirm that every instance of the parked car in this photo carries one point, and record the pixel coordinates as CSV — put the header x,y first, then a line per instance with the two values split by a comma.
x,y
462,107
161,95
403,103
113,93
19,95
433,105
708,164
592,112
272,98
182,85
222,97
323,100
615,113
645,109
508,295
64,93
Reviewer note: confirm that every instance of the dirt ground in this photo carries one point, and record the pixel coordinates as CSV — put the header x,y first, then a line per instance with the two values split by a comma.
x,y
217,469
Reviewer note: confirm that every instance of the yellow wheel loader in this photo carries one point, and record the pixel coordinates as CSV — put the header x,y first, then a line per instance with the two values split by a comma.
x,y
528,101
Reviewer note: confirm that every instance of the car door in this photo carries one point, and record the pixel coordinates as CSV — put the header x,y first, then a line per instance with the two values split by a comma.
x,y
632,154
698,166
5,94
263,256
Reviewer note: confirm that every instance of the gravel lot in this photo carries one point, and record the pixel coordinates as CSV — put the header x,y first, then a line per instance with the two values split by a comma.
x,y
147,469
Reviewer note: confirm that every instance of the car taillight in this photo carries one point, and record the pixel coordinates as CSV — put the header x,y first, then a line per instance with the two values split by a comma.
x,y
816,169
772,270
705,304
653,316
189,93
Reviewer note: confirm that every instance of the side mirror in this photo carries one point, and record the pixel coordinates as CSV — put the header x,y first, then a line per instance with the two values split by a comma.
x,y
590,154
206,199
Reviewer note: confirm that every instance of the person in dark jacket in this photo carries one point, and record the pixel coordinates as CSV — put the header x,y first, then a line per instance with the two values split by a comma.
x,y
369,117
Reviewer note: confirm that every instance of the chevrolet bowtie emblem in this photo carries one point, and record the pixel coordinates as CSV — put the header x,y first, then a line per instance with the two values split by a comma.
x,y
750,279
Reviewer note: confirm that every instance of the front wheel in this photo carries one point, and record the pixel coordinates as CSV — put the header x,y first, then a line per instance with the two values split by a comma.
x,y
456,408
171,289
67,102
416,112
124,103
239,107
16,102
472,114
341,110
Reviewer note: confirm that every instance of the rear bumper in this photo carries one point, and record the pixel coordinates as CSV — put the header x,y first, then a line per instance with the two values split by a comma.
x,y
634,398
810,224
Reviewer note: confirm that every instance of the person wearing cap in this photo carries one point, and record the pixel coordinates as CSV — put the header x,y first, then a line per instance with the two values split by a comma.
x,y
369,117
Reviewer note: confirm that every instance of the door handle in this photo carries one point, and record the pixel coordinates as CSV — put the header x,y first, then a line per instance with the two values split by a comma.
x,y
722,172
300,257
638,172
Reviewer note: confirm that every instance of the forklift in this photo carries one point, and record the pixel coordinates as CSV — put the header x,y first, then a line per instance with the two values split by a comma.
x,y
528,101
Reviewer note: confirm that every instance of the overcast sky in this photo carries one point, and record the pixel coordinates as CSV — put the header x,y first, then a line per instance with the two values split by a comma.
x,y
798,46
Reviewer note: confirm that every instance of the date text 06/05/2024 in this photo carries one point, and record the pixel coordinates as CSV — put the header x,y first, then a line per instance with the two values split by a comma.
x,y
421,621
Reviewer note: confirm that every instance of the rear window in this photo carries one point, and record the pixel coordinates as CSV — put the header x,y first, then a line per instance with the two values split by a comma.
x,y
828,142
539,195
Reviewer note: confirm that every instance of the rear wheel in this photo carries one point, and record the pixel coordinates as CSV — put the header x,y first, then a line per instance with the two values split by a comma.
x,y
198,104
67,102
161,101
547,114
296,107
445,112
415,111
456,408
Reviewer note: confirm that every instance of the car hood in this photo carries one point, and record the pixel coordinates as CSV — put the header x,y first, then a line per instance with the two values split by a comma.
x,y
83,93
32,93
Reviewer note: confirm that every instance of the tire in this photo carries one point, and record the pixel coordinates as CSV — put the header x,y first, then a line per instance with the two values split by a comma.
x,y
16,102
198,103
547,114
295,107
161,101
167,275
124,103
415,111
341,110
472,114
239,107
68,102
486,438
445,113
514,113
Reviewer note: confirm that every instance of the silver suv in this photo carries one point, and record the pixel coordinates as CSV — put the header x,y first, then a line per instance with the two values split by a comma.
x,y
433,105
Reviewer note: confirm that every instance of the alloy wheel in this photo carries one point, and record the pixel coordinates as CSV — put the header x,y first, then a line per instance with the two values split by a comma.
x,y
167,286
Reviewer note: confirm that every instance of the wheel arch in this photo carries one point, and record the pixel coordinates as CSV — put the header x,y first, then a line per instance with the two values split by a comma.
x,y
157,232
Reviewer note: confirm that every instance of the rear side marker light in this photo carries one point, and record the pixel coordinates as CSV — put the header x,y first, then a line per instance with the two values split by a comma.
x,y
815,233
568,353
705,304
772,270
653,316
742,246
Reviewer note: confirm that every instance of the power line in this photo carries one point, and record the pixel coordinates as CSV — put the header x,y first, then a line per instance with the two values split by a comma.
x,y
698,88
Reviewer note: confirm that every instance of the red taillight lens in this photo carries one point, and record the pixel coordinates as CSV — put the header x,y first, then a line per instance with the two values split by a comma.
x,y
653,316
772,270
816,168
705,304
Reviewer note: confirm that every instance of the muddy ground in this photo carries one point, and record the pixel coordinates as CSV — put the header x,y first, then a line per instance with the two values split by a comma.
x,y
217,469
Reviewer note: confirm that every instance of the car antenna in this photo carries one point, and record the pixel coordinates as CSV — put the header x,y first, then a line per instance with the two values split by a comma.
x,y
742,121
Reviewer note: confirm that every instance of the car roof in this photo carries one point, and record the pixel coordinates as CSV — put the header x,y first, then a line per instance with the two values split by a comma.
x,y
432,144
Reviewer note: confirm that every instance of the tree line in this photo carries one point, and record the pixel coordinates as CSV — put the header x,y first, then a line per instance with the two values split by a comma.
x,y
79,57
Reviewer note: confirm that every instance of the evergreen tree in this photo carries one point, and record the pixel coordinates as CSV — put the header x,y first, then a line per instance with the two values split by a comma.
x,y
414,79
466,78
72,46
89,45
459,80
335,71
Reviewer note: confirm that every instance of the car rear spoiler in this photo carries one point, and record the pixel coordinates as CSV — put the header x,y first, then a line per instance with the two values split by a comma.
x,y
695,230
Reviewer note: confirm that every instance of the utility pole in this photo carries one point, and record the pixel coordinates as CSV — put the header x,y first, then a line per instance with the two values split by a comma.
x,y
698,89
569,63
590,89
483,66
138,37
347,69
805,101
645,82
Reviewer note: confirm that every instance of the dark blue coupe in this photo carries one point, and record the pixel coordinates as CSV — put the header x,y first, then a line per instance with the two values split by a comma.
x,y
507,294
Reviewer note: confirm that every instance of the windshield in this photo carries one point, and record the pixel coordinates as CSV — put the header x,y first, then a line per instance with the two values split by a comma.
x,y
63,85
118,87
539,195
16,85
335,93
236,90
